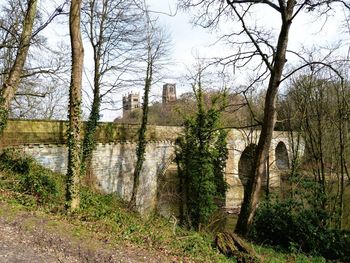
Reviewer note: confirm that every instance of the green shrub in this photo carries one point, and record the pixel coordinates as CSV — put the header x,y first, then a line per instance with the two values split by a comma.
x,y
289,225
39,184
272,224
336,245
11,160
30,177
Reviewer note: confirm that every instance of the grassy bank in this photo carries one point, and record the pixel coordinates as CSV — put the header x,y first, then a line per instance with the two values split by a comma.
x,y
27,187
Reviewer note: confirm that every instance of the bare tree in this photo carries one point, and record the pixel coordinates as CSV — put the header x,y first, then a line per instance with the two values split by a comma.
x,y
114,30
319,102
40,98
43,90
74,132
156,47
42,62
10,85
255,45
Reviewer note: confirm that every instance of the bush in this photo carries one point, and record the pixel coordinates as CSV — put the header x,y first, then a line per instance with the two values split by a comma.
x,y
11,160
38,183
30,177
272,224
289,225
336,245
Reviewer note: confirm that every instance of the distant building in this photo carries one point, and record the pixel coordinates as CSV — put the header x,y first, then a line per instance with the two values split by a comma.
x,y
169,93
130,102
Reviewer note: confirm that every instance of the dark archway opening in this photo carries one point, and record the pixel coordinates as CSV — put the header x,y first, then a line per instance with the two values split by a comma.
x,y
245,166
168,198
281,156
282,164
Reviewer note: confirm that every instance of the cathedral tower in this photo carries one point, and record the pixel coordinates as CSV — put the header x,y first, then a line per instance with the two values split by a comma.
x,y
169,93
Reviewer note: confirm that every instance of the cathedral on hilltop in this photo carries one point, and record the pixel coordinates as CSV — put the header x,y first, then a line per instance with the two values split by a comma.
x,y
131,101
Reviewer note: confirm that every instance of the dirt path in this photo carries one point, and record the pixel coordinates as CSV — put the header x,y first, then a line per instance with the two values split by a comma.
x,y
26,237
17,246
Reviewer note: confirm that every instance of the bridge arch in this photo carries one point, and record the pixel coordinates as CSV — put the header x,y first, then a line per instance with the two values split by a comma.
x,y
245,163
168,199
281,156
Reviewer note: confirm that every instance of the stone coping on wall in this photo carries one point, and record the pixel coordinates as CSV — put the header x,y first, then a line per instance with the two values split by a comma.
x,y
19,132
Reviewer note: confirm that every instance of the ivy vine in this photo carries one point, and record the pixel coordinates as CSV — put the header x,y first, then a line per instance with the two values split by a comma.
x,y
201,157
3,116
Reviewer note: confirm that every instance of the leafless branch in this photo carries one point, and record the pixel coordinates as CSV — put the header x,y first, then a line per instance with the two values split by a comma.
x,y
246,30
271,4
309,64
58,11
40,95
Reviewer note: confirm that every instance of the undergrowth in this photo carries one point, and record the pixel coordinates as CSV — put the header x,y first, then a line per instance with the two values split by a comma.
x,y
36,185
288,226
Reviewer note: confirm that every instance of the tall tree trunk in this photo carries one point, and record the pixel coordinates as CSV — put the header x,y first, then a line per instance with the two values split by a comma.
x,y
11,83
91,126
341,129
253,189
142,143
74,135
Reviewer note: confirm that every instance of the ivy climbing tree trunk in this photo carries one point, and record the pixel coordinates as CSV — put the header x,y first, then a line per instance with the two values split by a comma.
x,y
11,83
94,117
74,131
156,47
201,159
142,143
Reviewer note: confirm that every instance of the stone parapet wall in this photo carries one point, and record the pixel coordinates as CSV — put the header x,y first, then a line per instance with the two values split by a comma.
x,y
22,132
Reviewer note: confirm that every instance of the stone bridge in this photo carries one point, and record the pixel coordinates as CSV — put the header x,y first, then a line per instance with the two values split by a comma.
x,y
114,159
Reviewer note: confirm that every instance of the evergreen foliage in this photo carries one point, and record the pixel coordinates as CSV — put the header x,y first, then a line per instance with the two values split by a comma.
x,y
89,142
300,223
3,116
201,156
24,175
